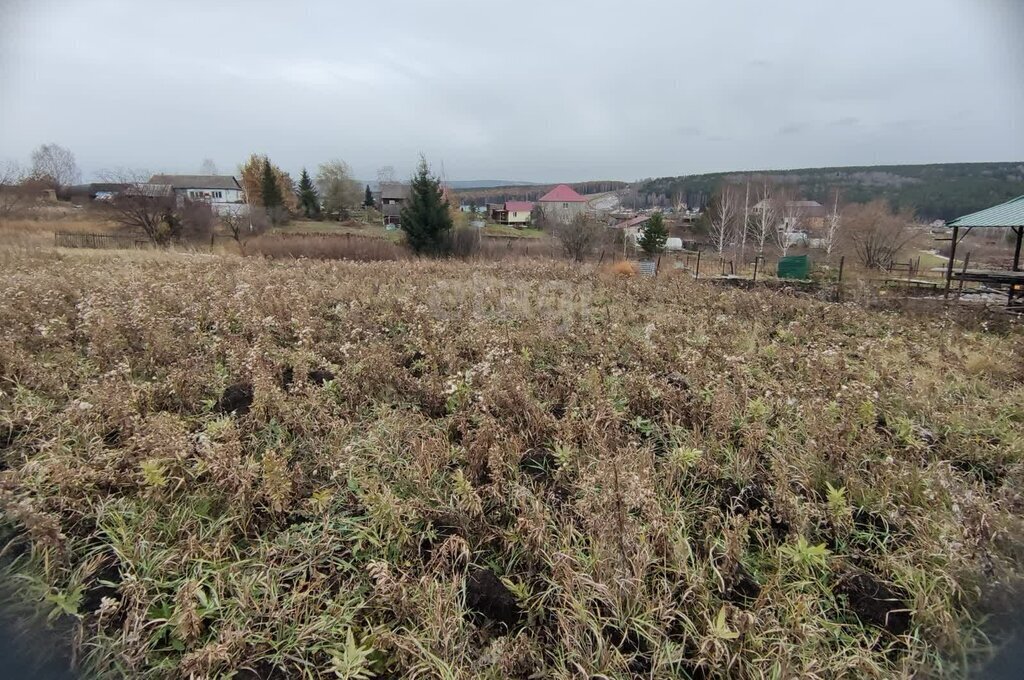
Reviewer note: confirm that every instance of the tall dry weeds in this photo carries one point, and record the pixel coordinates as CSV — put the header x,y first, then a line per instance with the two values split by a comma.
x,y
437,469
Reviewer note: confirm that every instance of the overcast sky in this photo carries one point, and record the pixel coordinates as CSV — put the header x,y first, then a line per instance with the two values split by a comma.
x,y
529,90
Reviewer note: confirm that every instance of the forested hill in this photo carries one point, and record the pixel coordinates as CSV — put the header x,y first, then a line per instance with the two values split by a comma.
x,y
481,196
941,191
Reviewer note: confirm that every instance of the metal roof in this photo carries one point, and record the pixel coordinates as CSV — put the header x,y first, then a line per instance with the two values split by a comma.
x,y
197,181
563,193
1005,215
394,190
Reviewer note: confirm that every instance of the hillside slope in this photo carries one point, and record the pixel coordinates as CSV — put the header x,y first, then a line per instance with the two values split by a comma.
x,y
480,196
940,191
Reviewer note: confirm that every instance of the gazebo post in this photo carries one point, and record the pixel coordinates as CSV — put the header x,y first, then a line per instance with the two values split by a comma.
x,y
1016,251
952,257
1019,231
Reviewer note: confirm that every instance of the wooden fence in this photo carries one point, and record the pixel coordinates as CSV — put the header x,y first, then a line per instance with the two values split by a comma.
x,y
70,239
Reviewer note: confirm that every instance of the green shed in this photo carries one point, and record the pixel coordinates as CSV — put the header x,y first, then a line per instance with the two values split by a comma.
x,y
794,267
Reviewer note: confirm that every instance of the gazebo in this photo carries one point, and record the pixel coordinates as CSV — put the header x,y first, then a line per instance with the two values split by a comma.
x,y
1009,215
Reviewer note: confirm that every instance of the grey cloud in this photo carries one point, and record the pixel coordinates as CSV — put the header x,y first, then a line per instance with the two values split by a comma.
x,y
792,128
846,121
586,91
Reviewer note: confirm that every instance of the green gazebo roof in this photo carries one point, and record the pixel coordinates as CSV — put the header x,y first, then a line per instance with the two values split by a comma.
x,y
1005,215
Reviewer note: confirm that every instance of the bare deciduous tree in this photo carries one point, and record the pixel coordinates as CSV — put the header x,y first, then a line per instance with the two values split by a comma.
x,y
208,167
722,216
154,210
766,214
14,195
243,226
745,226
579,237
386,175
832,226
791,215
56,163
876,235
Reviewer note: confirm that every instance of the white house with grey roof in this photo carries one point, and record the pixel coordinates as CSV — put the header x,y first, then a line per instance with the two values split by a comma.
x,y
223,192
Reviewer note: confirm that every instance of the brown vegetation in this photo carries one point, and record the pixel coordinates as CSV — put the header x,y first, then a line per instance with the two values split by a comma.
x,y
326,247
218,466
876,235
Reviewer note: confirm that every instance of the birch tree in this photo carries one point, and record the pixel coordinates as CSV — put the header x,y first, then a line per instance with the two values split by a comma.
x,y
832,227
790,216
745,227
766,215
722,214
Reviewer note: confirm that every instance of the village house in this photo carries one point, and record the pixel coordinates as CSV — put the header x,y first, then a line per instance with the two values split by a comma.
x,y
392,196
223,192
810,214
562,204
631,228
797,214
512,213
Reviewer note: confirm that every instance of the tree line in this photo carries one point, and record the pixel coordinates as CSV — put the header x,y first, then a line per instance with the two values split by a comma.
x,y
938,191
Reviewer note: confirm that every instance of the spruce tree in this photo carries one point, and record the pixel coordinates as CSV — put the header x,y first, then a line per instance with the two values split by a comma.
x,y
268,185
368,200
309,201
655,235
425,217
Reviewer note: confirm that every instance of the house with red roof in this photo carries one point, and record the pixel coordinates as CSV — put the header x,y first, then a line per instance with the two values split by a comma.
x,y
512,213
562,203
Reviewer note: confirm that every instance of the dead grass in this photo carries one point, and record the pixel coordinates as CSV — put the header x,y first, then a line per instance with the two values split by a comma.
x,y
326,247
272,468
623,268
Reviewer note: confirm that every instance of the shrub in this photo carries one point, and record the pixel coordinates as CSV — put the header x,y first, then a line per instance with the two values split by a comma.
x,y
463,242
623,268
579,237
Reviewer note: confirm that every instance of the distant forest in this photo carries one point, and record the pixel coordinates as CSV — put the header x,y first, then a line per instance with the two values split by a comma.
x,y
481,196
942,191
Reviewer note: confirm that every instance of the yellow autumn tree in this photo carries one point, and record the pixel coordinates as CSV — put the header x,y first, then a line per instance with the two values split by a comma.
x,y
252,175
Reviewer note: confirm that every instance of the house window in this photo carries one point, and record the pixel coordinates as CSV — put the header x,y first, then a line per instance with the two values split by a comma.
x,y
565,205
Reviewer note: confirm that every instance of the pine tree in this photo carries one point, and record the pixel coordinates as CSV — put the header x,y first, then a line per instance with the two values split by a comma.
x,y
309,201
425,217
368,200
655,235
268,184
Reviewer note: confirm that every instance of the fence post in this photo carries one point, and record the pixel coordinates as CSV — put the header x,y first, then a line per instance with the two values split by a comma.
x,y
839,283
697,275
757,258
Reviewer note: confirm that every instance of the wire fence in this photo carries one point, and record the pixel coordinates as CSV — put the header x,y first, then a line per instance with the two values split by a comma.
x,y
68,239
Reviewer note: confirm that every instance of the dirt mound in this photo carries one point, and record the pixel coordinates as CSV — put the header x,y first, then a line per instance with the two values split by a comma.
x,y
490,601
236,398
875,602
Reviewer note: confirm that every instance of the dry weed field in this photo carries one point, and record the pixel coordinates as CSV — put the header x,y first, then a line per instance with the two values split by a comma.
x,y
227,467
